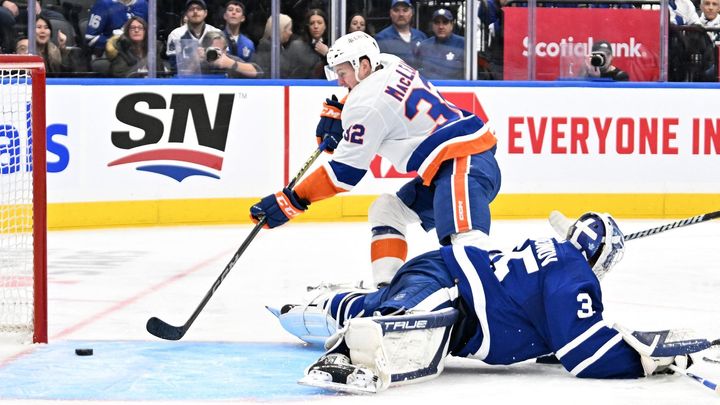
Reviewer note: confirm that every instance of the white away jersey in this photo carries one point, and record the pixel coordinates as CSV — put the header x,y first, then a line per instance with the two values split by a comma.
x,y
392,113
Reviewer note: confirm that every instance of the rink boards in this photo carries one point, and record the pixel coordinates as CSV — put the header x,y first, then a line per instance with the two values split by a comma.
x,y
202,151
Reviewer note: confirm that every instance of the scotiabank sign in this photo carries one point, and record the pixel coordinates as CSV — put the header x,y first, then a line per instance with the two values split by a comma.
x,y
564,37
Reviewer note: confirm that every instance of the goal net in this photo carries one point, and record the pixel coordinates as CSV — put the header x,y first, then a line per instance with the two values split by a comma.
x,y
23,285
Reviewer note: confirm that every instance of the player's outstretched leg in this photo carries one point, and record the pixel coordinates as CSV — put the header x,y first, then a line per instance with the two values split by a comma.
x,y
389,218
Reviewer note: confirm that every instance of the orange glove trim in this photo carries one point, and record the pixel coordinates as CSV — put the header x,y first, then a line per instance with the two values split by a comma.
x,y
330,111
286,206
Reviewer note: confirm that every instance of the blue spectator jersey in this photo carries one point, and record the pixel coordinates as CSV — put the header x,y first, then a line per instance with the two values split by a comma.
x,y
107,18
240,46
540,298
390,41
442,59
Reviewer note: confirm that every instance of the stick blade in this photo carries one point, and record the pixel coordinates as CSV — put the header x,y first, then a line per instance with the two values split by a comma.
x,y
164,330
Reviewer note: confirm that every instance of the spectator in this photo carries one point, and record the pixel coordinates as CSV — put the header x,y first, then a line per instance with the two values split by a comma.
x,y
54,56
183,41
215,59
357,22
307,53
262,57
8,12
599,65
13,20
682,12
107,17
22,46
443,55
490,39
710,19
399,38
128,52
239,45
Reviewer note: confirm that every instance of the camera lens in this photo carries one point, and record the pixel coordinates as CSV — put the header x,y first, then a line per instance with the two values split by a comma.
x,y
211,55
597,59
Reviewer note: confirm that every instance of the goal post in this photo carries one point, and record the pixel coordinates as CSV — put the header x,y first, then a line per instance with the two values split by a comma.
x,y
23,223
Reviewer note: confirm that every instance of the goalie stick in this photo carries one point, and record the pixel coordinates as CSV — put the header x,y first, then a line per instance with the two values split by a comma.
x,y
164,330
709,384
561,223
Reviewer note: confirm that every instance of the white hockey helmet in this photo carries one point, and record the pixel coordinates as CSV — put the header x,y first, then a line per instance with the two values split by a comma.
x,y
599,238
351,48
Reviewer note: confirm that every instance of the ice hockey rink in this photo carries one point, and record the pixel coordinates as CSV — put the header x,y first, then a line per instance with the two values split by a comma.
x,y
105,284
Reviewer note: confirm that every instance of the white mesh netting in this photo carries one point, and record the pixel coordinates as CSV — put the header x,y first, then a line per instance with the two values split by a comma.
x,y
16,197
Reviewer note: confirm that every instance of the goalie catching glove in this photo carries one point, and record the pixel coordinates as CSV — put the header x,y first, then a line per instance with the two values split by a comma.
x,y
330,126
278,208
660,349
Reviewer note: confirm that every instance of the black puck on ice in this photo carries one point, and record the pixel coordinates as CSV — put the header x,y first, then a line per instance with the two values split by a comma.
x,y
84,352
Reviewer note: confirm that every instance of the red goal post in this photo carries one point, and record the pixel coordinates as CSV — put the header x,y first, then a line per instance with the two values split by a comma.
x,y
23,222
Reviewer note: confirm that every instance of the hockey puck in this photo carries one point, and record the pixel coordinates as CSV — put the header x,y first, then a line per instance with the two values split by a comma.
x,y
84,352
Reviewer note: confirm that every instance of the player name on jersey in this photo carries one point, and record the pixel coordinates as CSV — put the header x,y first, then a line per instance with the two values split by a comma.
x,y
407,74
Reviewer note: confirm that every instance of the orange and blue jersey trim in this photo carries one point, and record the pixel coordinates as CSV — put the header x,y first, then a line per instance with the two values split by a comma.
x,y
460,195
324,182
464,137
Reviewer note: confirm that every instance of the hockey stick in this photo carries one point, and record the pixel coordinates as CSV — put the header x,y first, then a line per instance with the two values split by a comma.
x,y
709,384
164,330
561,224
677,224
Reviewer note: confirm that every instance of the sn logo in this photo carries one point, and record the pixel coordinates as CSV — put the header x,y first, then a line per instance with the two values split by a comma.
x,y
209,134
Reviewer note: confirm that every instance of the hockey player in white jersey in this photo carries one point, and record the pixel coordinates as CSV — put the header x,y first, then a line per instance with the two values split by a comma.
x,y
394,112
542,297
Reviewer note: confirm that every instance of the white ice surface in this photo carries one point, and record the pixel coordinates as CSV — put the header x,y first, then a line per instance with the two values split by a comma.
x,y
105,284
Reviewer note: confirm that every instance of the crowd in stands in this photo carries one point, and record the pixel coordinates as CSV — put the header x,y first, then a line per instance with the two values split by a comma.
x,y
233,38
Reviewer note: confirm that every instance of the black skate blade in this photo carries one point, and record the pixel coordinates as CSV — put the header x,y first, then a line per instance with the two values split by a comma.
x,y
337,387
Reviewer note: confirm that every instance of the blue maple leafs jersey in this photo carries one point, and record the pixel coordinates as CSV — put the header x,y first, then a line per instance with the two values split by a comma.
x,y
540,298
107,18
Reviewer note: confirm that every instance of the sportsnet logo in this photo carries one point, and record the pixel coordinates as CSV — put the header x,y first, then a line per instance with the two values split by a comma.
x,y
179,158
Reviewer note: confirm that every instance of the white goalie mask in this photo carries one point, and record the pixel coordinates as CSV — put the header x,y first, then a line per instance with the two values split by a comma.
x,y
599,238
351,48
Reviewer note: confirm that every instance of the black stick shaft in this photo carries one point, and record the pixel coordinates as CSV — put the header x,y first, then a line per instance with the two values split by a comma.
x,y
677,224
166,331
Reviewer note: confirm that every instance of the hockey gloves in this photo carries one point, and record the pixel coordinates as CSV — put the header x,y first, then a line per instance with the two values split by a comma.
x,y
330,126
278,208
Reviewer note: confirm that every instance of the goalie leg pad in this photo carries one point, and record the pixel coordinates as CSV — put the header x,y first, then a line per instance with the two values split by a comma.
x,y
416,344
392,350
309,323
328,308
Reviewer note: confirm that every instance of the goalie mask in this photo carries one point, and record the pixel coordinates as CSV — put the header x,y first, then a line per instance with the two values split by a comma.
x,y
599,238
351,48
